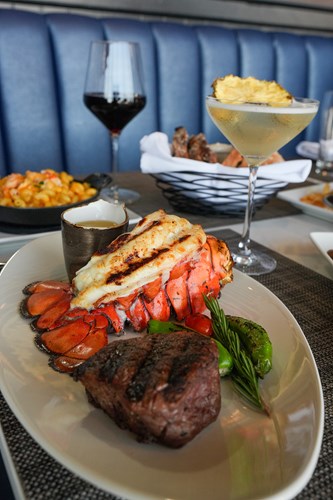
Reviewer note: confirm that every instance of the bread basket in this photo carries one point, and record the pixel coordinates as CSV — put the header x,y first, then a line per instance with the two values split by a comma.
x,y
206,193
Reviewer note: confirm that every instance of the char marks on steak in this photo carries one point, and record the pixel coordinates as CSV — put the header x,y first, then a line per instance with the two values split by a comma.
x,y
163,387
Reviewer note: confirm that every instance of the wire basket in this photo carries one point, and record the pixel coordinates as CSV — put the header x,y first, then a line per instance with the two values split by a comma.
x,y
211,194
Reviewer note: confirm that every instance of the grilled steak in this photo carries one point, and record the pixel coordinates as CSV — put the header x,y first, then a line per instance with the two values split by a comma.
x,y
163,387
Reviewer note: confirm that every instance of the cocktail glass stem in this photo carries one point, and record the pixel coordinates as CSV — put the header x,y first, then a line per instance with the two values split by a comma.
x,y
244,244
254,263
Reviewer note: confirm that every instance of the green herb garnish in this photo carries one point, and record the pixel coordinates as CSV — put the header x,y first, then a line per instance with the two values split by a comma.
x,y
243,375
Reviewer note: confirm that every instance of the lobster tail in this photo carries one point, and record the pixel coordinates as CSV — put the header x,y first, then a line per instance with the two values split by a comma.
x,y
146,274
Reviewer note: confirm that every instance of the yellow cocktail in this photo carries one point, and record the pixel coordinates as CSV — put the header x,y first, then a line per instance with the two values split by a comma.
x,y
257,127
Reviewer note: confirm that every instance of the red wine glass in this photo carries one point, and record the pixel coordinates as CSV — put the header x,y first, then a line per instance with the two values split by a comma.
x,y
114,93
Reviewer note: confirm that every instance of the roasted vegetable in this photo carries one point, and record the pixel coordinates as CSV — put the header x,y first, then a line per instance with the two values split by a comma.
x,y
256,342
226,363
244,376
200,323
156,326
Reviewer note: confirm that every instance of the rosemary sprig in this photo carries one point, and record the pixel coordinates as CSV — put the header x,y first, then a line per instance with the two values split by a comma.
x,y
243,375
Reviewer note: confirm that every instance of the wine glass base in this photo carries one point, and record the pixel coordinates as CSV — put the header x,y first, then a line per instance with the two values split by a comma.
x,y
254,264
121,195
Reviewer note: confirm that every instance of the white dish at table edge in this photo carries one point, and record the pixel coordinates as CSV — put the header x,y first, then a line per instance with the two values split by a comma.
x,y
324,242
9,238
244,454
294,196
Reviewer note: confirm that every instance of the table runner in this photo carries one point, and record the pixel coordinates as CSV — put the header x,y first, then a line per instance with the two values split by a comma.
x,y
309,297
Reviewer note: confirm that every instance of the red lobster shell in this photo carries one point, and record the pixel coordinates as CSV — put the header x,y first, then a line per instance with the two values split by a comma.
x,y
70,330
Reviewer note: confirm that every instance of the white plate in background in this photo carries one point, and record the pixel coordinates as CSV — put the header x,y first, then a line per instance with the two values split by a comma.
x,y
244,454
10,243
294,196
324,242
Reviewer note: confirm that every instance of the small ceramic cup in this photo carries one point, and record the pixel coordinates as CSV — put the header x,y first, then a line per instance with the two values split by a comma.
x,y
89,228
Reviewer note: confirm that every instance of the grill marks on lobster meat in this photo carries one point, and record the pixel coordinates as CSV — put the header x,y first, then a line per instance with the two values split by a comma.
x,y
163,268
150,251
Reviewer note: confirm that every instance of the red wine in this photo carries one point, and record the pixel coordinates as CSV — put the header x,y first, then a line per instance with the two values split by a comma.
x,y
114,114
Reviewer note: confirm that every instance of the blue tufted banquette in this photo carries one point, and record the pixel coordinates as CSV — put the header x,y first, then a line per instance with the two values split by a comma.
x,y
43,57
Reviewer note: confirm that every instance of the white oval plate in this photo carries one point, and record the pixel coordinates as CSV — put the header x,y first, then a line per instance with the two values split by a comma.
x,y
243,455
324,243
294,196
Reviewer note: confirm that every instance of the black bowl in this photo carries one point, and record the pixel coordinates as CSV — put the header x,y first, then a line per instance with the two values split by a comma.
x,y
50,216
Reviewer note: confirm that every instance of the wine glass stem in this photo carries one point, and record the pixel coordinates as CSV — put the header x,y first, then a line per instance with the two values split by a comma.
x,y
244,244
115,150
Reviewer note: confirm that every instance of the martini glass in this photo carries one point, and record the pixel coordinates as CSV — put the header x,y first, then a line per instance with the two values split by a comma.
x,y
257,131
114,93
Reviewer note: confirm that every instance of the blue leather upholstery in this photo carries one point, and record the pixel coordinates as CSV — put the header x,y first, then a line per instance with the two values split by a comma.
x,y
43,57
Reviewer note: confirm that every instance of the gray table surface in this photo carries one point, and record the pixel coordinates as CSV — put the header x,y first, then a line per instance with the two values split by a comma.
x,y
42,477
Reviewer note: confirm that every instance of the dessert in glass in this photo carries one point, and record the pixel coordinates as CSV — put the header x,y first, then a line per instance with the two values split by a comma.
x,y
258,118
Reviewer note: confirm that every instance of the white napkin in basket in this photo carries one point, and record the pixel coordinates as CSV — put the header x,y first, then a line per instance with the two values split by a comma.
x,y
156,158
